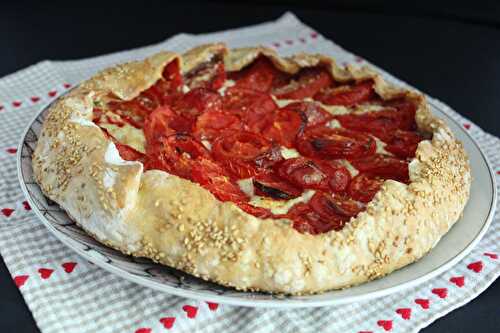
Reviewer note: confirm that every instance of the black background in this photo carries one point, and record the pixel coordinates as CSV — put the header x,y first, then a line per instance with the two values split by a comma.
x,y
448,50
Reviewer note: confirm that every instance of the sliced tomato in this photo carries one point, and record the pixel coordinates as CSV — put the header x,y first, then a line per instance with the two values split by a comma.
x,y
164,122
268,185
306,83
347,95
148,101
244,102
219,77
381,123
240,145
211,124
308,220
335,206
196,102
403,144
172,74
214,178
168,87
407,109
258,76
243,153
339,179
313,113
304,172
383,166
176,154
263,213
308,173
363,187
281,126
323,142
128,153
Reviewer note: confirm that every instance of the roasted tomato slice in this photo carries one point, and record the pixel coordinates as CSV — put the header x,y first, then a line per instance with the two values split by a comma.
x,y
407,109
246,102
347,95
306,220
271,186
305,84
281,126
335,206
381,123
176,154
170,84
312,112
363,187
403,144
255,211
128,153
258,76
243,153
210,124
196,102
323,142
339,179
383,166
307,173
164,122
213,177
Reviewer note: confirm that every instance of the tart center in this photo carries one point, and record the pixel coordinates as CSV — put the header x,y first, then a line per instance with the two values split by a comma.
x,y
303,147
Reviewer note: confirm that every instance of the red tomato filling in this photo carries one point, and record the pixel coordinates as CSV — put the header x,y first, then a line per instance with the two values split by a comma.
x,y
217,138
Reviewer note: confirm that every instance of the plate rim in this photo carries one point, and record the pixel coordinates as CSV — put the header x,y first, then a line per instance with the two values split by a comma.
x,y
261,303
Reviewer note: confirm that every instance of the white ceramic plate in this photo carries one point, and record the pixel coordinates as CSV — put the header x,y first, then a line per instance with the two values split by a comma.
x,y
453,246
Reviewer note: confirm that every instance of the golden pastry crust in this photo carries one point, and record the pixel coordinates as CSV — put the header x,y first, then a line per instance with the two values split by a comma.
x,y
180,224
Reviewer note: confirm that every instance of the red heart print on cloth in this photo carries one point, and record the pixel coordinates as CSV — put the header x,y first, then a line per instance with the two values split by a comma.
x,y
424,303
17,104
365,332
385,324
476,266
467,126
143,330
190,310
168,322
69,266
52,93
67,85
7,211
404,312
440,292
20,280
458,280
45,273
491,255
26,205
212,306
11,150
35,99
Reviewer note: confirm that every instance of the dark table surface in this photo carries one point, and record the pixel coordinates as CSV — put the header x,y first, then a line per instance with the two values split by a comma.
x,y
452,54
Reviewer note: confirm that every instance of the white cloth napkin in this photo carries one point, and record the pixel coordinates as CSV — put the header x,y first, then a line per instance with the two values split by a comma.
x,y
68,294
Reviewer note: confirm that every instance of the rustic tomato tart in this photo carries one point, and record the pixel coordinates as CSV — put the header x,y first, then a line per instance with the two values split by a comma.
x,y
289,175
